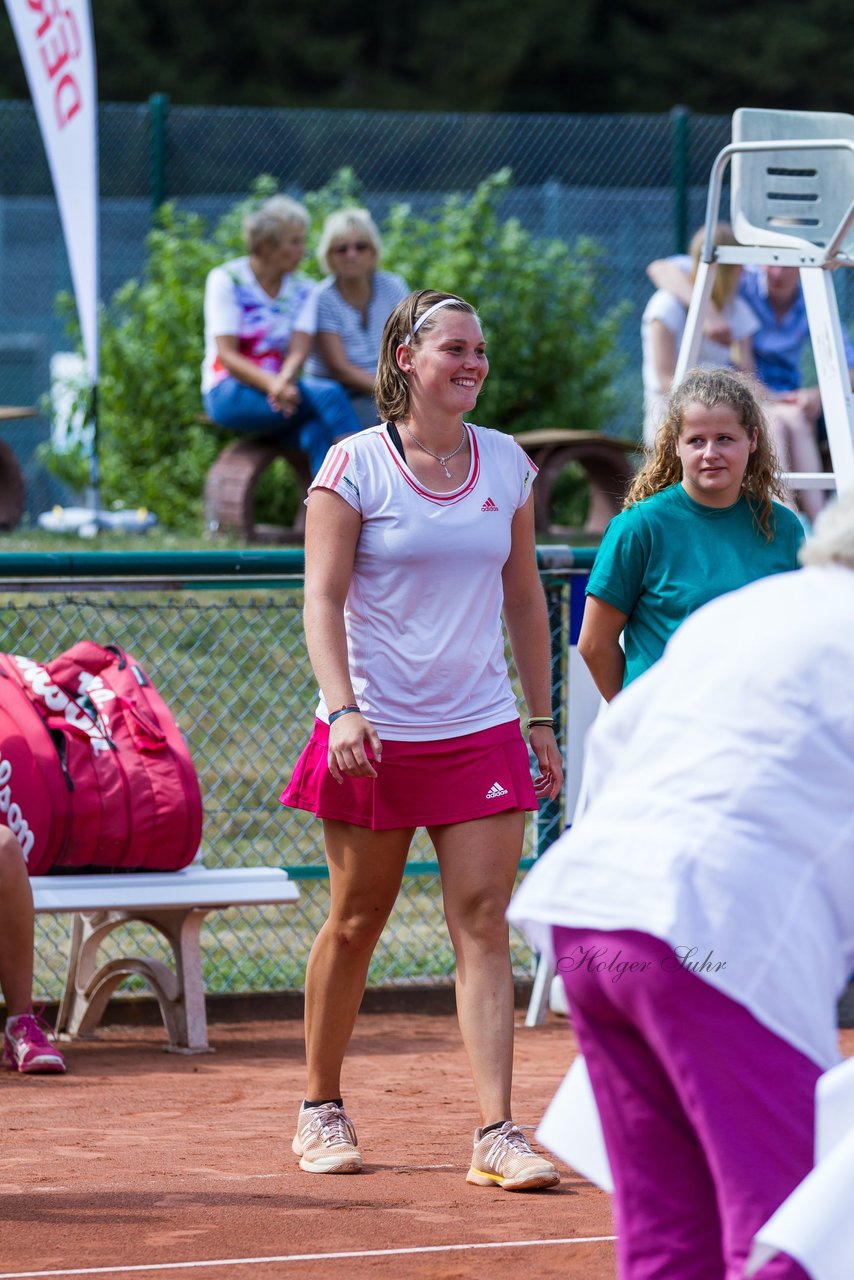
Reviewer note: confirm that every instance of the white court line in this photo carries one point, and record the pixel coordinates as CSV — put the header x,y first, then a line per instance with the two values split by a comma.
x,y
303,1257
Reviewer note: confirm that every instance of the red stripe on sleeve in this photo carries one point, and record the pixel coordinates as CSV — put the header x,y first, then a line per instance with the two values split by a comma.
x,y
332,470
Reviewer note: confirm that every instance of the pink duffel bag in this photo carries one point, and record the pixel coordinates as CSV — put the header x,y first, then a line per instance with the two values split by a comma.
x,y
94,771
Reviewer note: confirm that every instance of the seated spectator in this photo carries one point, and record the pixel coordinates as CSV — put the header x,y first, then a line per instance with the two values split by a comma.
x,y
26,1046
249,372
347,311
663,325
775,295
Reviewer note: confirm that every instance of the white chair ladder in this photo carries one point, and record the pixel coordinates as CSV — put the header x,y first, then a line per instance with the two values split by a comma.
x,y
792,203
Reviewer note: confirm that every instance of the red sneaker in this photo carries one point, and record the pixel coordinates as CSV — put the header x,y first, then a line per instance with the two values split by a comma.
x,y
28,1049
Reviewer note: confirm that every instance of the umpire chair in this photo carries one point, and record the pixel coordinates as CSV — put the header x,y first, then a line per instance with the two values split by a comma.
x,y
791,204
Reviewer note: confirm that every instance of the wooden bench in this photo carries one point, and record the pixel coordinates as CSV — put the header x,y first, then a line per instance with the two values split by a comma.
x,y
605,460
229,498
175,903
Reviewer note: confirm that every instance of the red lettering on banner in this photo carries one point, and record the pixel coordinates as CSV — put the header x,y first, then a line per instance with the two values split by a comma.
x,y
60,44
66,107
38,6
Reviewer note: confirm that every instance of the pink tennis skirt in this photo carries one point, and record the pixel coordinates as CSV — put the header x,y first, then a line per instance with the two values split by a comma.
x,y
419,784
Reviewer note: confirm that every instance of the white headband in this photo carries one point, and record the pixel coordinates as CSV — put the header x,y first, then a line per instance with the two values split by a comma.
x,y
446,302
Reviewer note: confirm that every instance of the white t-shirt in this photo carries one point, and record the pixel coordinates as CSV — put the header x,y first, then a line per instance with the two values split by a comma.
x,y
423,613
722,810
237,306
672,313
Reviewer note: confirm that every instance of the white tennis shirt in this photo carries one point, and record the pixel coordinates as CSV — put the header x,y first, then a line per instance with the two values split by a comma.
x,y
423,612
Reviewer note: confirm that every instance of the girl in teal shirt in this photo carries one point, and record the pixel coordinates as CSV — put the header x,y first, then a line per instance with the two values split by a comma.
x,y
699,520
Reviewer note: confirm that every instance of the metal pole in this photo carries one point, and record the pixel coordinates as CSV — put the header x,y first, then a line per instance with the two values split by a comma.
x,y
158,109
94,495
679,168
550,813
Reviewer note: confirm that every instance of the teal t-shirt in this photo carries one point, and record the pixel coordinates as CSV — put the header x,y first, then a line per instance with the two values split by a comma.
x,y
668,555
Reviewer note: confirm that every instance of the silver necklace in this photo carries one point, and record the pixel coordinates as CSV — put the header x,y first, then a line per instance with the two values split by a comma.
x,y
444,460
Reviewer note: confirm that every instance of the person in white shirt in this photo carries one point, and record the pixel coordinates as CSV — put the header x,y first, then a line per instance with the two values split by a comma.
x,y
701,912
419,537
249,372
663,324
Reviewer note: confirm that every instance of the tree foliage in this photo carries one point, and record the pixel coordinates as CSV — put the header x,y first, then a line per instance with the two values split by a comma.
x,y
472,55
551,352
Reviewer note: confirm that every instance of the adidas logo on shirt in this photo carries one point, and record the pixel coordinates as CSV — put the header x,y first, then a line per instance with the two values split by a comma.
x,y
489,505
496,791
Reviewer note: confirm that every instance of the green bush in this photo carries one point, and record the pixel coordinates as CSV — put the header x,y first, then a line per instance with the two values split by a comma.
x,y
551,351
153,450
552,354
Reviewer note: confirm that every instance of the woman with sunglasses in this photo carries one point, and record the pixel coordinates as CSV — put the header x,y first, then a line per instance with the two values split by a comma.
x,y
347,311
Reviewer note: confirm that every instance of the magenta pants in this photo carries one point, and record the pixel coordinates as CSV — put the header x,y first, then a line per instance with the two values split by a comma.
x,y
708,1116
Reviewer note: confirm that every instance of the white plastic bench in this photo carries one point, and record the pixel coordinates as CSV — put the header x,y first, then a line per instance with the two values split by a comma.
x,y
175,903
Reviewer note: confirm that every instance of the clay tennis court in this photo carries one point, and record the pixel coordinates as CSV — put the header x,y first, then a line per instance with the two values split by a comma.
x,y
143,1162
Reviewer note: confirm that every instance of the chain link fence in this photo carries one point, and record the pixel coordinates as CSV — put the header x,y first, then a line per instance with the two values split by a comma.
x,y
232,665
635,184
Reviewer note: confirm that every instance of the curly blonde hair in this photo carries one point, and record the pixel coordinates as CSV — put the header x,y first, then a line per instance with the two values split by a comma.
x,y
710,388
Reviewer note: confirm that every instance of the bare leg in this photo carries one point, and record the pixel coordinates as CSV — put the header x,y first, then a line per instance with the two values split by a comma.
x,y
797,448
16,927
478,862
365,871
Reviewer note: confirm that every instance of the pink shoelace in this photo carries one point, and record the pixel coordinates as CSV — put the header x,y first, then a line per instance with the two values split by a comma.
x,y
30,1025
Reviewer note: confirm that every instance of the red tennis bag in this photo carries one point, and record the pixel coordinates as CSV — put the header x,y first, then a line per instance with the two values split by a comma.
x,y
35,794
109,782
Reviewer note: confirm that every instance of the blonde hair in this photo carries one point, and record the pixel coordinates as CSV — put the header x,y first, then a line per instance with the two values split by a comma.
x,y
832,538
272,221
710,388
391,390
339,224
726,274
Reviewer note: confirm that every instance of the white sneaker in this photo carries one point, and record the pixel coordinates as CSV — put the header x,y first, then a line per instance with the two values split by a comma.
x,y
503,1158
326,1140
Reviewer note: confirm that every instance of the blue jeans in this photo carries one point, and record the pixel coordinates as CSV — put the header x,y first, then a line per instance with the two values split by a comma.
x,y
323,414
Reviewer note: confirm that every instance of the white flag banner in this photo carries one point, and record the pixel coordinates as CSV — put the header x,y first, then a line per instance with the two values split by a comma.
x,y
56,46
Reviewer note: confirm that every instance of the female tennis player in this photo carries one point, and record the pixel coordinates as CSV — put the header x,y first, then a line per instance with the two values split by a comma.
x,y
419,537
